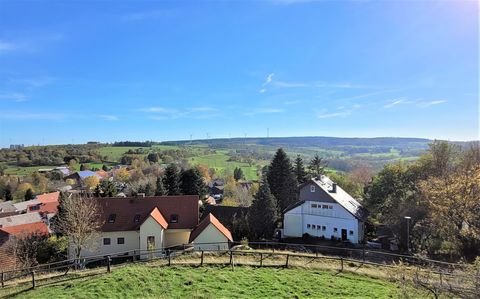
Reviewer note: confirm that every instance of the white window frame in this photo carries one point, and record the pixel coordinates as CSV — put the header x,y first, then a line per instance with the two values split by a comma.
x,y
312,188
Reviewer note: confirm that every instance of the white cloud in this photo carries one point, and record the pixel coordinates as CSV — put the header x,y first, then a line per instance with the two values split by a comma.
x,y
340,112
395,103
430,103
162,113
7,46
147,15
334,114
263,90
19,115
16,96
108,117
257,111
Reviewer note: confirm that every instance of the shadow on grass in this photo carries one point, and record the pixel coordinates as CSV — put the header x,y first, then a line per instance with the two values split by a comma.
x,y
44,282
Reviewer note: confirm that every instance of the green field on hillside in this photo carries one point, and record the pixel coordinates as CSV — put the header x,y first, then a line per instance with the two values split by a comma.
x,y
144,281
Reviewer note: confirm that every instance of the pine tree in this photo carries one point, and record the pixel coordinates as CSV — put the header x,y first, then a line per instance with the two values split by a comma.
x,y
104,167
171,180
282,181
237,173
82,167
317,166
159,190
262,214
8,193
29,194
191,183
299,169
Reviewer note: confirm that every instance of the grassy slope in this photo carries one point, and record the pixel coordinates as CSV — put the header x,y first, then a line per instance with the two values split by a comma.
x,y
140,281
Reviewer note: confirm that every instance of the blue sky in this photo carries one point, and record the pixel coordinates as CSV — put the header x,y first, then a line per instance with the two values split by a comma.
x,y
129,70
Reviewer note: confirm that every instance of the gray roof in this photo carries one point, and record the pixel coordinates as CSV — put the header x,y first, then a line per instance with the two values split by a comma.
x,y
23,205
20,219
6,207
342,197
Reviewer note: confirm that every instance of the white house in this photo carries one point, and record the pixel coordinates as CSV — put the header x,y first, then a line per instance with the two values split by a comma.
x,y
325,210
145,226
210,229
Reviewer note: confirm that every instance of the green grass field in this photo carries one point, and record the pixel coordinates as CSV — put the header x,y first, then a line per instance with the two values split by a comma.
x,y
114,153
144,281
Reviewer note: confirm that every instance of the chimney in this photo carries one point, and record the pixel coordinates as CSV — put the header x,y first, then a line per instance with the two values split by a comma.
x,y
334,188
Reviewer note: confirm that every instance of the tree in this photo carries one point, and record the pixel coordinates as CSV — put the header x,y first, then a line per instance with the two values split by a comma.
x,y
91,182
262,214
29,194
159,190
25,248
282,181
122,175
171,180
204,172
149,189
237,173
106,188
8,193
299,170
153,157
82,167
191,183
3,168
317,166
104,167
22,190
78,220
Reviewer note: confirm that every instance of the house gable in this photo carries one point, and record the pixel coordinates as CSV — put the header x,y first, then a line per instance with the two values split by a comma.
x,y
312,192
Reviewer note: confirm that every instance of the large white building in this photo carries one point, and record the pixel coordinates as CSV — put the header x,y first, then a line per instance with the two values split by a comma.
x,y
325,210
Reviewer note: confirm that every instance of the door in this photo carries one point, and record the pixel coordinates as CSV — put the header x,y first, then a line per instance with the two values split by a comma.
x,y
344,234
151,243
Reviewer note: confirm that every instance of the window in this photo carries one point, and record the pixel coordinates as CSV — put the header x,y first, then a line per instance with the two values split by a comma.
x,y
324,206
312,188
335,229
318,226
314,205
173,218
120,240
351,233
324,228
330,207
106,241
34,208
313,226
136,219
308,225
111,218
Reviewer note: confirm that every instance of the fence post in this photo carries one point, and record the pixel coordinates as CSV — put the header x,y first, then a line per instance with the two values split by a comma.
x,y
441,280
341,264
286,263
134,255
108,263
33,279
169,257
201,261
2,279
261,259
231,257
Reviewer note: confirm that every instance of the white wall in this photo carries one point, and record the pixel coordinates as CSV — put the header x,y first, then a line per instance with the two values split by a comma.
x,y
210,235
296,221
151,228
175,237
97,247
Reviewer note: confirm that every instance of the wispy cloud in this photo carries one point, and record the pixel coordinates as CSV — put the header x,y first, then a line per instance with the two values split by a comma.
x,y
267,81
147,15
163,113
416,103
339,112
15,96
257,111
394,103
430,103
7,46
19,115
108,117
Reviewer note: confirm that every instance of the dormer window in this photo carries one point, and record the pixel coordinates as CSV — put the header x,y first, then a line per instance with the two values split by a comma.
x,y
174,218
136,219
312,188
111,218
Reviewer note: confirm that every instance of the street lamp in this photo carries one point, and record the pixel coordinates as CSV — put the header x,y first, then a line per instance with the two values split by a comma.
x,y
408,232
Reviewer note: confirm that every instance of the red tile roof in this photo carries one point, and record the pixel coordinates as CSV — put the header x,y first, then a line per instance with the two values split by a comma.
x,y
49,197
131,212
157,216
25,229
210,219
